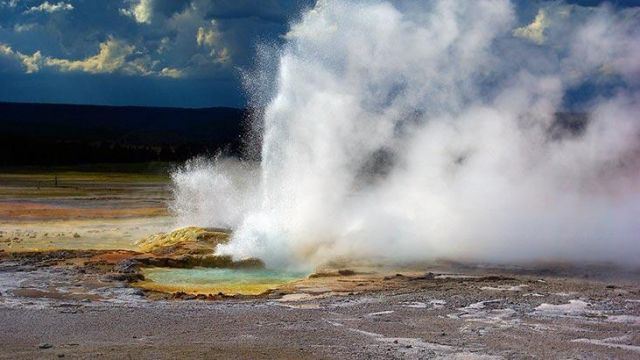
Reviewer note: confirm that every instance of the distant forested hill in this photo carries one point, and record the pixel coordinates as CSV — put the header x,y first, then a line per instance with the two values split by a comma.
x,y
47,134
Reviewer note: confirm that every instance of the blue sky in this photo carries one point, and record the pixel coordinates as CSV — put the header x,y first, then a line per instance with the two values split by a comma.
x,y
186,53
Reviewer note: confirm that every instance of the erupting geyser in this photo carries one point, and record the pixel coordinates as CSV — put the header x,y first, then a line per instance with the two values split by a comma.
x,y
416,130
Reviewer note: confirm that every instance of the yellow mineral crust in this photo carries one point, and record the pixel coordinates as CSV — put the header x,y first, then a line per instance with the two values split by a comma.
x,y
187,240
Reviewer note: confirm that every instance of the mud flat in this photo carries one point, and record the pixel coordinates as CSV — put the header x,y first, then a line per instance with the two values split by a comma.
x,y
84,297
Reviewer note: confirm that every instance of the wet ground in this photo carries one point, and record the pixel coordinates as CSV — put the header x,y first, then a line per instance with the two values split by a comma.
x,y
76,304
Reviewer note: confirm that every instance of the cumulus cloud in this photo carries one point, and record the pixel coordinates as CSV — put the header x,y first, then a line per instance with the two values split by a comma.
x,y
9,3
222,56
171,73
30,63
6,50
535,30
190,38
112,56
19,28
195,42
206,37
140,10
48,7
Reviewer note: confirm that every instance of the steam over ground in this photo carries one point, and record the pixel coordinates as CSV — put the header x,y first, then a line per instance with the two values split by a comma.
x,y
422,130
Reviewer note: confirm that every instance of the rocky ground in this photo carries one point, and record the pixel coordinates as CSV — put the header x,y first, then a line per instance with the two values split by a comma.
x,y
56,306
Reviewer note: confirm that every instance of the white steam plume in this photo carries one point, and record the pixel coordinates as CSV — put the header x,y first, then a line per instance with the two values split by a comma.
x,y
214,193
420,130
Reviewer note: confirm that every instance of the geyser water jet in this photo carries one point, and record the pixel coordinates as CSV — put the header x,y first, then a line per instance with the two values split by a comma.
x,y
412,131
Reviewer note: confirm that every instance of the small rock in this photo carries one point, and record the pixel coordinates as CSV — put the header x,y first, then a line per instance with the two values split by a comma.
x,y
45,346
127,266
137,292
427,276
179,295
123,277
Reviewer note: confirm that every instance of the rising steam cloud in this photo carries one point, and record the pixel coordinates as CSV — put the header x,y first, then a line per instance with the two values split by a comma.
x,y
421,130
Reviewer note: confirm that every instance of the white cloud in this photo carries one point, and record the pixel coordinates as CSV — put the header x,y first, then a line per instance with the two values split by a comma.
x,y
111,57
535,30
30,63
9,3
114,56
222,56
5,50
206,37
23,27
141,11
50,7
165,44
171,72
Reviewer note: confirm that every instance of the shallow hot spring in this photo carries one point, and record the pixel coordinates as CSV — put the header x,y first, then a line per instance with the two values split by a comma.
x,y
213,281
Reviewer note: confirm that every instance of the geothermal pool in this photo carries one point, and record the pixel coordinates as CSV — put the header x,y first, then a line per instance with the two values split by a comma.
x,y
213,281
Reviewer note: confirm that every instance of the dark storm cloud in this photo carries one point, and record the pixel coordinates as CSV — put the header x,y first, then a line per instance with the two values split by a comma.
x,y
147,52
124,51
